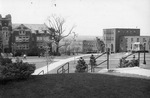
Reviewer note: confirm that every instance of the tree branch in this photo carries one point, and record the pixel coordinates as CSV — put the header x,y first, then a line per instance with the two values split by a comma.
x,y
68,33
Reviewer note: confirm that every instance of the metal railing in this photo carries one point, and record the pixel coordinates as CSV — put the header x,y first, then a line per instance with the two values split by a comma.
x,y
102,62
96,66
62,69
100,55
125,57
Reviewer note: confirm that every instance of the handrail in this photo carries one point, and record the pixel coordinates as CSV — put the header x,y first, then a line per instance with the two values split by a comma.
x,y
128,55
62,69
41,72
107,60
102,62
100,55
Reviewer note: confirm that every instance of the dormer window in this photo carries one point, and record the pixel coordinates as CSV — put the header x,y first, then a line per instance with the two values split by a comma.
x,y
37,31
22,32
4,28
45,31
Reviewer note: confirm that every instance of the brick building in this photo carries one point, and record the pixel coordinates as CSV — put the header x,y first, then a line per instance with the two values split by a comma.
x,y
113,37
128,41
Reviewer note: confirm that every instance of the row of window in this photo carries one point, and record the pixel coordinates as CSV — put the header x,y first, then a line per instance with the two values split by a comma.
x,y
90,45
126,31
6,34
137,40
108,38
136,46
22,38
22,32
108,33
22,47
40,38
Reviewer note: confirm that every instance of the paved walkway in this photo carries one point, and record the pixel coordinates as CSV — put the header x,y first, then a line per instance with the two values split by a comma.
x,y
130,70
57,64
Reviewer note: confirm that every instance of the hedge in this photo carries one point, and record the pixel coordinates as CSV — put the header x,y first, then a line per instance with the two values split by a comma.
x,y
17,70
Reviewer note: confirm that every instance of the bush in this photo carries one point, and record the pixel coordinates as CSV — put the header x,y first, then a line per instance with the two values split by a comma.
x,y
17,70
4,61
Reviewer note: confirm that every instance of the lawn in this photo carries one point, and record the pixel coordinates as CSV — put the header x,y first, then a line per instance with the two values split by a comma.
x,y
76,86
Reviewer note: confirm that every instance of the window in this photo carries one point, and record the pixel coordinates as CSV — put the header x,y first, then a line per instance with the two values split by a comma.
x,y
112,38
46,39
144,40
131,39
45,31
37,31
22,32
137,39
23,47
39,38
22,38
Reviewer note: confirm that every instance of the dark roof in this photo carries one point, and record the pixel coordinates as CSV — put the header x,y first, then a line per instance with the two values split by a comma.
x,y
120,28
33,27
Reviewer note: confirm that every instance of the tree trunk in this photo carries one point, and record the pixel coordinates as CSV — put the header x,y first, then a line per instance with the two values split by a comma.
x,y
57,50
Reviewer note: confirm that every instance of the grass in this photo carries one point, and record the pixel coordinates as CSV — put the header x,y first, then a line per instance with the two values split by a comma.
x,y
77,86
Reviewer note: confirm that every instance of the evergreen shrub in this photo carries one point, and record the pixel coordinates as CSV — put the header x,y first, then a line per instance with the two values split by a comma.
x,y
18,70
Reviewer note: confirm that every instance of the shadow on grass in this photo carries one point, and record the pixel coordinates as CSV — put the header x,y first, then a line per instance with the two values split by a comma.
x,y
83,85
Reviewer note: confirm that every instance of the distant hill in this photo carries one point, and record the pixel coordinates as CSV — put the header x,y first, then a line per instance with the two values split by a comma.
x,y
83,37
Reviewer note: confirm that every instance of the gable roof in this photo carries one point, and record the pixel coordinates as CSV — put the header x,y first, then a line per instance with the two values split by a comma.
x,y
21,26
40,27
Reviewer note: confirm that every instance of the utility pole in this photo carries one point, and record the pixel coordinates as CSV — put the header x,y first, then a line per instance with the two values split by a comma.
x,y
144,62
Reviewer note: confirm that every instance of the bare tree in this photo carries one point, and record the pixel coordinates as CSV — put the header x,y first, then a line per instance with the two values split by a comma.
x,y
57,30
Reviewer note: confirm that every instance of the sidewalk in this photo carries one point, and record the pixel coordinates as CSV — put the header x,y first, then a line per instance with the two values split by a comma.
x,y
130,70
57,64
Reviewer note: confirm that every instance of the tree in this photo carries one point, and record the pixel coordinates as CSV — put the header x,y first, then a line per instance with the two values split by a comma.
x,y
57,30
100,44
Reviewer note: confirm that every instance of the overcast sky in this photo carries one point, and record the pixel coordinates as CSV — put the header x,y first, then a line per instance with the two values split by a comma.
x,y
89,16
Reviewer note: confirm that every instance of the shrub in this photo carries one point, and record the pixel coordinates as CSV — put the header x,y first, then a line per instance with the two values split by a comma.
x,y
4,61
17,70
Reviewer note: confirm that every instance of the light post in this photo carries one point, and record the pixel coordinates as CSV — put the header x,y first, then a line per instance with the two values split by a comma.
x,y
144,62
108,53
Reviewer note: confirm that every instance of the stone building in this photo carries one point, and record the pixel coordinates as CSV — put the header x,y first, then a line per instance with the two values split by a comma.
x,y
29,38
5,32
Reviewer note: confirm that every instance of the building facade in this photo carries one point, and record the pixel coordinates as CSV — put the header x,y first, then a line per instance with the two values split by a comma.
x,y
29,39
5,32
113,37
90,46
21,39
128,41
